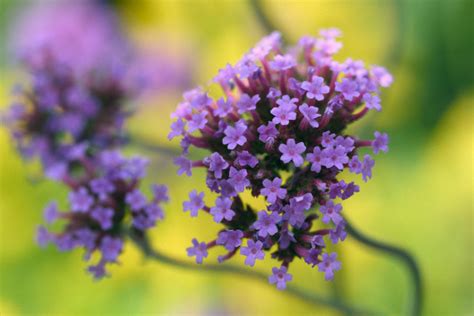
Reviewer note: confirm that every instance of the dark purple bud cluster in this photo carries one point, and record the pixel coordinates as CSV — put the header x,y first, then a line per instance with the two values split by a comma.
x,y
279,132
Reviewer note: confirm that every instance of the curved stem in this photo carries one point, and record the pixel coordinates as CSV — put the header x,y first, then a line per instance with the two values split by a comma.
x,y
401,254
262,17
303,295
145,144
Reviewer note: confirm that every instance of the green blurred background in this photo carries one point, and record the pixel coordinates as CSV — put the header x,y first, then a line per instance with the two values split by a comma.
x,y
421,197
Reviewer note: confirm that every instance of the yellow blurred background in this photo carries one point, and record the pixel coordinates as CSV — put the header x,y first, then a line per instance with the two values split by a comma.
x,y
421,196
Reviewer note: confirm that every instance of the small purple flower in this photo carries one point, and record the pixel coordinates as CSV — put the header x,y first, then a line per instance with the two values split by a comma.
x,y
380,142
231,239
267,223
292,152
338,234
335,190
177,129
328,139
43,237
51,213
134,168
348,88
103,215
247,103
64,242
355,166
245,158
280,277
310,114
285,112
266,45
294,85
335,157
316,159
98,271
225,75
160,193
246,68
382,76
253,251
184,164
217,164
268,133
283,62
367,166
312,257
198,121
136,200
234,135
328,265
349,190
222,210
331,32
224,107
195,203
316,89
302,202
198,250
102,187
86,238
274,93
346,142
238,179
331,212
294,215
111,248
80,200
318,241
372,101
272,190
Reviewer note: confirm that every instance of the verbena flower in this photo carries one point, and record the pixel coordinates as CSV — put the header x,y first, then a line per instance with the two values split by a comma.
x,y
71,117
62,118
97,220
75,102
85,36
279,132
83,73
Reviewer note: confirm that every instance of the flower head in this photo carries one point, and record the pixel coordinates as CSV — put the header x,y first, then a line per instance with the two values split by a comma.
x,y
96,218
281,134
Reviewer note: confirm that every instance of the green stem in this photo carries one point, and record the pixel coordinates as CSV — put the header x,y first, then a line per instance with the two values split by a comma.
x,y
401,254
145,144
262,17
303,295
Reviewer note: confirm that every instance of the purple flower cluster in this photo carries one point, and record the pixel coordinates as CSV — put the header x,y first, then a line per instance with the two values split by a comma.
x,y
86,36
72,118
76,100
61,119
103,203
83,72
279,133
